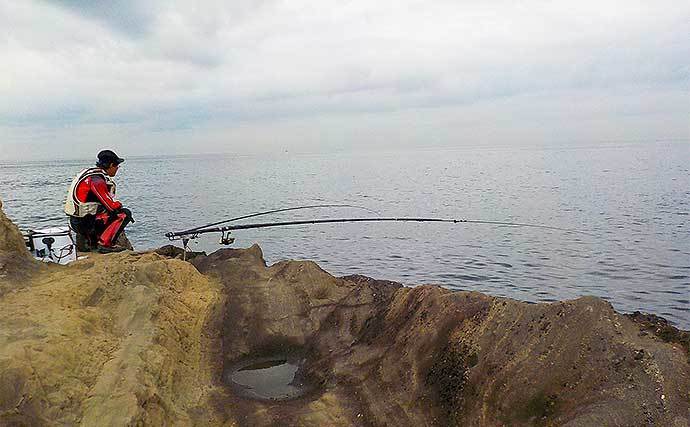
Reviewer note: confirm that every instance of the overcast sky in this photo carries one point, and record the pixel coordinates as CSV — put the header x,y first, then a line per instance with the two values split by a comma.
x,y
154,77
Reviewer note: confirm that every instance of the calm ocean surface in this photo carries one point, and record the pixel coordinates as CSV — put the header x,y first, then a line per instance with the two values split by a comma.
x,y
634,198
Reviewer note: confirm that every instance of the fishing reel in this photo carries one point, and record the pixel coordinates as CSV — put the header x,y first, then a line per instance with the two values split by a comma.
x,y
225,238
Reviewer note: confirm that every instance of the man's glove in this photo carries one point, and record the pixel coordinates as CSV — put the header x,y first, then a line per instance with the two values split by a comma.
x,y
126,212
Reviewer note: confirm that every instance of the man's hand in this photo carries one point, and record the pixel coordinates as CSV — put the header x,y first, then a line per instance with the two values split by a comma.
x,y
126,212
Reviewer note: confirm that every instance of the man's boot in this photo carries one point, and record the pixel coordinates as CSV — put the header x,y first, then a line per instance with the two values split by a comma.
x,y
110,249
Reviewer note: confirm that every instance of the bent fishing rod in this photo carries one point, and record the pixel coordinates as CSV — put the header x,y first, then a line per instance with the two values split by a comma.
x,y
225,231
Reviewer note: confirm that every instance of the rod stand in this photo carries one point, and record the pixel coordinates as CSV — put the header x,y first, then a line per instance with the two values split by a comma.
x,y
185,248
225,238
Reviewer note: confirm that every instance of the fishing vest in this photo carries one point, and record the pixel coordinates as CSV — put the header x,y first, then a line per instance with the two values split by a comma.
x,y
77,208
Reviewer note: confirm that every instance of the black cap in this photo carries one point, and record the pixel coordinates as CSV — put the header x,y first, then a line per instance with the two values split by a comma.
x,y
108,157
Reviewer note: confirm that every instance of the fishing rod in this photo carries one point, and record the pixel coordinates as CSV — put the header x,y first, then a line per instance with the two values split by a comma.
x,y
185,236
252,215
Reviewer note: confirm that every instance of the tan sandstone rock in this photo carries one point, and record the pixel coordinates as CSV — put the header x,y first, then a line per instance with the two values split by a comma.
x,y
16,263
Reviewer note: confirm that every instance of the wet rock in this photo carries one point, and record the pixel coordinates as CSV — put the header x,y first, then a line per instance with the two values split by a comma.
x,y
662,329
172,251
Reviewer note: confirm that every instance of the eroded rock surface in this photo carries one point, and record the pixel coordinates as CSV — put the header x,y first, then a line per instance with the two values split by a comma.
x,y
388,355
145,339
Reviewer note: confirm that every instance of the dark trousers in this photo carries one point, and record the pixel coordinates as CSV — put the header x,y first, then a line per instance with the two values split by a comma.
x,y
101,229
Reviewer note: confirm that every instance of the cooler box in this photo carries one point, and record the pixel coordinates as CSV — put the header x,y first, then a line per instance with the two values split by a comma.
x,y
54,244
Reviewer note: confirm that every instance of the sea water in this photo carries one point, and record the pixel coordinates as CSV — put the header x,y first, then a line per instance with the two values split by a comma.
x,y
268,379
634,199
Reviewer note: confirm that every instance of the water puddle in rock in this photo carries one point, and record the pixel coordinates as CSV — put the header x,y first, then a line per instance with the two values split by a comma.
x,y
274,378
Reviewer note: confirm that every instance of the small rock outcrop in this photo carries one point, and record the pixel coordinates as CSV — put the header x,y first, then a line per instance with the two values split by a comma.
x,y
11,241
16,263
148,339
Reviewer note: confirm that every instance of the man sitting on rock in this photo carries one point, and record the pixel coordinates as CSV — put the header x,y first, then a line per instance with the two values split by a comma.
x,y
96,217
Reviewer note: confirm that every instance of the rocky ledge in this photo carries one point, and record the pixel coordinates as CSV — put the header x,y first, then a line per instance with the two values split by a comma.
x,y
149,339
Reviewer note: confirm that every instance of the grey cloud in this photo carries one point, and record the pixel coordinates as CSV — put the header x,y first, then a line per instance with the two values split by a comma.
x,y
131,18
